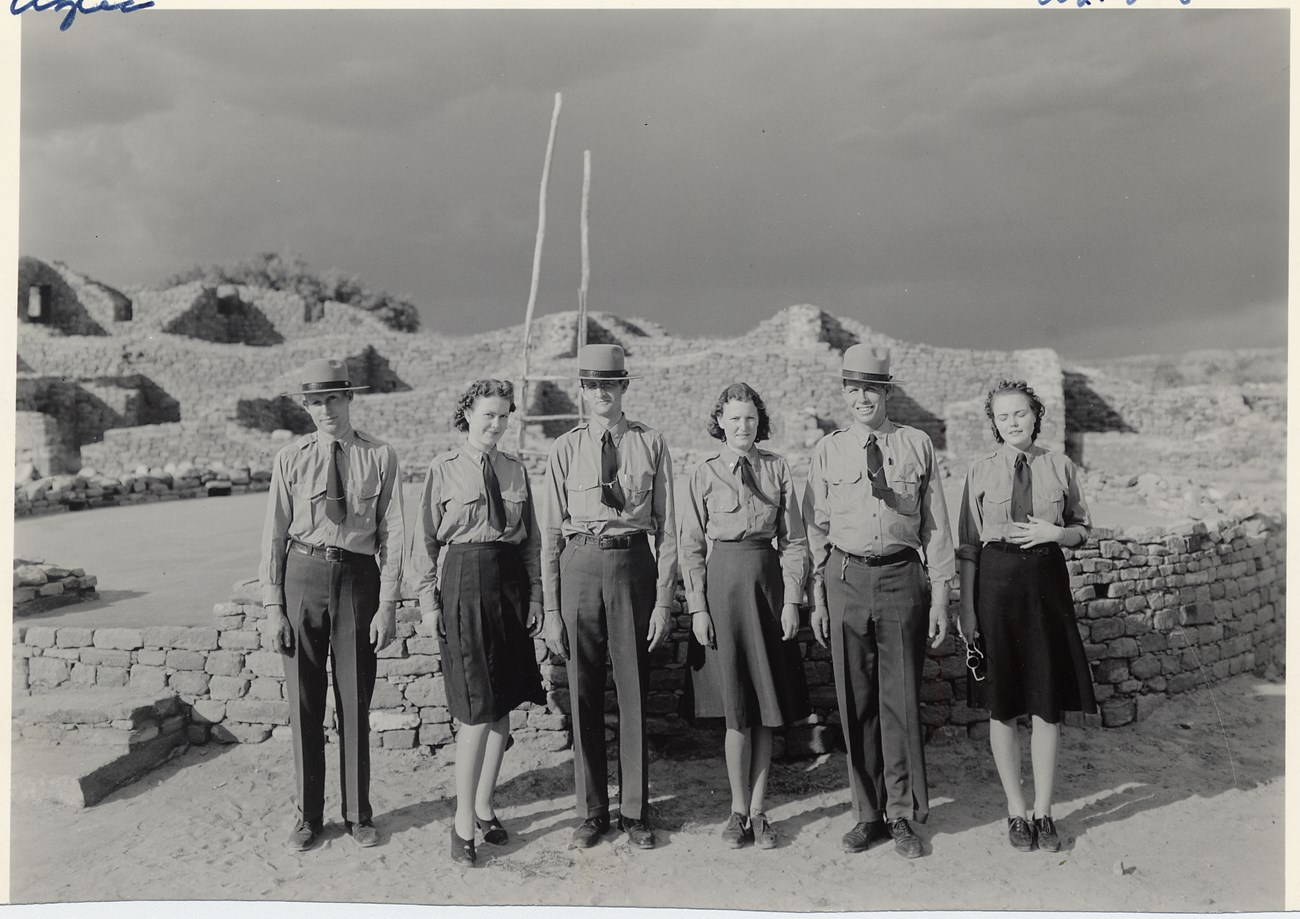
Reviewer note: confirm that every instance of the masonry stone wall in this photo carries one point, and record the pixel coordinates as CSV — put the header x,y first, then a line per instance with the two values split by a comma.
x,y
38,583
1161,611
61,310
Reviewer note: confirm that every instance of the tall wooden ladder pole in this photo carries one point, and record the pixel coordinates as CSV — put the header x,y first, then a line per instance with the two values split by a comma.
x,y
537,269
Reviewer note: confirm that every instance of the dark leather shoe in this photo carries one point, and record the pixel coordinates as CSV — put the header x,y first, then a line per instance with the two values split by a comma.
x,y
859,838
762,831
590,830
1045,831
364,834
638,832
906,842
493,832
1020,833
302,836
737,831
462,850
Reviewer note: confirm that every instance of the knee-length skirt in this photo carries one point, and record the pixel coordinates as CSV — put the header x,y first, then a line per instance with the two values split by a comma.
x,y
488,663
752,678
1035,656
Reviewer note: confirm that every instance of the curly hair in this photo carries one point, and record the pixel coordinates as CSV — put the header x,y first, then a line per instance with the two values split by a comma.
x,y
480,389
739,392
1020,386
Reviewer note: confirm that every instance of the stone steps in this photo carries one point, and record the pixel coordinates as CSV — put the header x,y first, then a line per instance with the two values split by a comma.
x,y
74,747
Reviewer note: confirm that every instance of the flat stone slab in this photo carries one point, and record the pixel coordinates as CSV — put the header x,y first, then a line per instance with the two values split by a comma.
x,y
96,706
79,775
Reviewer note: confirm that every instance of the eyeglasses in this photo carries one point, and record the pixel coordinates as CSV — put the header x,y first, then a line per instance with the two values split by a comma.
x,y
975,661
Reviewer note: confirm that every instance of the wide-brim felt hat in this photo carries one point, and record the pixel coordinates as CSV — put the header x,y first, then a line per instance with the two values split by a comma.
x,y
867,364
603,362
323,375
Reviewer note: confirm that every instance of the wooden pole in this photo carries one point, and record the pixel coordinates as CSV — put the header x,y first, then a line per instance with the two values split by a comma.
x,y
586,261
537,265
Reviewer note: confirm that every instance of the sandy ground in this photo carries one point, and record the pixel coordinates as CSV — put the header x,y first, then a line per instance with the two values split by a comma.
x,y
1181,812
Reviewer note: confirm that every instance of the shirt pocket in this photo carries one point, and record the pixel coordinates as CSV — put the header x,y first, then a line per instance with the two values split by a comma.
x,y
637,488
906,486
584,498
846,490
996,506
465,510
363,501
515,500
724,511
308,504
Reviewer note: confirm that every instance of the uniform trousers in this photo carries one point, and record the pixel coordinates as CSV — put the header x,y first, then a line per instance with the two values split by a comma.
x,y
879,616
606,598
329,606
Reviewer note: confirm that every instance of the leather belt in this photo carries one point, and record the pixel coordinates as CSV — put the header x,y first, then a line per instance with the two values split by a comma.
x,y
875,561
626,541
1042,550
330,553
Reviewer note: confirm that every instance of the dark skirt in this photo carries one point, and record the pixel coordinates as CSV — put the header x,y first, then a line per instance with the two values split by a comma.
x,y
488,664
1036,661
753,678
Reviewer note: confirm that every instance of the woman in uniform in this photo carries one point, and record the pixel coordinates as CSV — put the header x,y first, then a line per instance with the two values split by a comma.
x,y
743,593
476,563
1021,504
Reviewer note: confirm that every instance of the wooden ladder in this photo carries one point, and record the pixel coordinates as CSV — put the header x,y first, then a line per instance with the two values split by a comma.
x,y
525,377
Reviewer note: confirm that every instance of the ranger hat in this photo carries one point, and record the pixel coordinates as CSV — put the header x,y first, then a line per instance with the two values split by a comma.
x,y
602,362
867,364
323,375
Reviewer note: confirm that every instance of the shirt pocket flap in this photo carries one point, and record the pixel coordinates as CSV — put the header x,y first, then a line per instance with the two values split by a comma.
x,y
843,476
581,483
999,493
518,495
722,501
307,490
369,491
637,483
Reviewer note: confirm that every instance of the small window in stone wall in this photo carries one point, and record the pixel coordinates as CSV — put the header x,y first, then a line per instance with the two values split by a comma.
x,y
122,311
228,305
39,299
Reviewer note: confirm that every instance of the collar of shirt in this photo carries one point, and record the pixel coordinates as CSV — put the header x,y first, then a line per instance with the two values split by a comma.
x,y
616,430
886,428
324,441
731,457
476,454
1008,452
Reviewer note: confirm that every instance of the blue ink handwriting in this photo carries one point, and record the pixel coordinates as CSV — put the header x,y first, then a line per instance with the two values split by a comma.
x,y
73,7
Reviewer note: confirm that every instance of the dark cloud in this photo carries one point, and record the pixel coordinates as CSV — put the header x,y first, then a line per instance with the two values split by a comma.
x,y
1006,178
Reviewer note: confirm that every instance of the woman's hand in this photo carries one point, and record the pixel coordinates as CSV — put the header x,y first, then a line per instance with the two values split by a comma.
x,y
702,626
535,618
966,623
789,621
1037,532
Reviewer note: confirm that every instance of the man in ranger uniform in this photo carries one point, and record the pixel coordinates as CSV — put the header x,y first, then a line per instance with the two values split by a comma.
x,y
609,485
331,569
882,557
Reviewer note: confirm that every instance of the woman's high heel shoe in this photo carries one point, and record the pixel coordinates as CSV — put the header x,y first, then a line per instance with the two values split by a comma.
x,y
492,830
462,850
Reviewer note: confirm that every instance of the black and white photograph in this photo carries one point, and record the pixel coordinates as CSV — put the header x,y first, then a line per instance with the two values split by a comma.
x,y
736,458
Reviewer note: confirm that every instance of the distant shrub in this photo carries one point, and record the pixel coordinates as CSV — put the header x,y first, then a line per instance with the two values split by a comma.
x,y
277,272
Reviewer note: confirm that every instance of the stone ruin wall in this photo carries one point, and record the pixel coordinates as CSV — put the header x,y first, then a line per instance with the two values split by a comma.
x,y
1162,612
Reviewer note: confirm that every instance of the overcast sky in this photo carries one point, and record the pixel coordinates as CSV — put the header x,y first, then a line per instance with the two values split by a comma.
x,y
1103,183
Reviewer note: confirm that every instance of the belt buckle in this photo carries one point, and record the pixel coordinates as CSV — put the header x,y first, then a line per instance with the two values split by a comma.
x,y
333,554
607,542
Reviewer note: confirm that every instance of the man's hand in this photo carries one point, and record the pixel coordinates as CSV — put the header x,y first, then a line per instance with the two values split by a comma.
x,y
702,628
661,620
557,637
938,623
789,621
535,618
821,625
277,623
383,626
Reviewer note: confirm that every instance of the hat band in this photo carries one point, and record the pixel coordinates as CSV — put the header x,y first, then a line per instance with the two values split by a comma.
x,y
329,384
864,377
602,374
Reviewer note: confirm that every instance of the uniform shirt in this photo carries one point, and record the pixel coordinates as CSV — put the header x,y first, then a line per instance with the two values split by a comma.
x,y
721,507
645,475
986,502
454,509
373,525
840,511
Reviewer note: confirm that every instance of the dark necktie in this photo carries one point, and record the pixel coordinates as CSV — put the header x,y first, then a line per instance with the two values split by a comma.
x,y
876,468
609,490
496,507
336,507
1022,491
748,480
